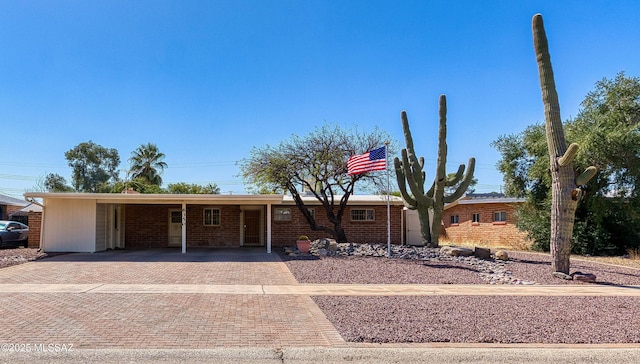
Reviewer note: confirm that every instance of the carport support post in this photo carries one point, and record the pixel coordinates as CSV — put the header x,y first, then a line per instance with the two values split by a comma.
x,y
184,227
269,228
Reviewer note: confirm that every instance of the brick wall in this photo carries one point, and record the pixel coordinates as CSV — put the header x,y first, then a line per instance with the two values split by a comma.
x,y
35,226
225,235
10,209
147,226
285,233
487,231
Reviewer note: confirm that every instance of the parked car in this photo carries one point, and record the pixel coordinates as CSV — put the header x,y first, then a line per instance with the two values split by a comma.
x,y
13,234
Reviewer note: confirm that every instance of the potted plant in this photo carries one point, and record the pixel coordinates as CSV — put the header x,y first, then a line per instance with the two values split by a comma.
x,y
303,244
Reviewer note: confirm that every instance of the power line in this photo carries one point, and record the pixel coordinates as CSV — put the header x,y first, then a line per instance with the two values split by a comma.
x,y
18,177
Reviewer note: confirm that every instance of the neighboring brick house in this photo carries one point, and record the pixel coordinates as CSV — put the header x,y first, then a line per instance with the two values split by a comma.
x,y
488,218
101,221
24,212
9,205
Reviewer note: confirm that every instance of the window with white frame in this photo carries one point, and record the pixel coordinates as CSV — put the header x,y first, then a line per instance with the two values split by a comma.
x,y
454,219
476,218
281,214
500,216
211,217
362,215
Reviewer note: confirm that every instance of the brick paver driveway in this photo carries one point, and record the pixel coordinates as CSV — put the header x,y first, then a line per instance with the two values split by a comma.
x,y
98,319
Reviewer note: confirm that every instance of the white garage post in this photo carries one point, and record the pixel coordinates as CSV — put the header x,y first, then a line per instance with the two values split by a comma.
x,y
269,228
184,227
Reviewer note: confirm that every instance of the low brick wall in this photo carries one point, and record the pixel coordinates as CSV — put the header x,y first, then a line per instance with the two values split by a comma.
x,y
35,227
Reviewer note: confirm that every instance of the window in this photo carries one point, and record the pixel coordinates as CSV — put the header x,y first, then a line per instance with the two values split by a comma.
x,y
500,216
476,218
281,214
176,217
362,215
454,219
211,217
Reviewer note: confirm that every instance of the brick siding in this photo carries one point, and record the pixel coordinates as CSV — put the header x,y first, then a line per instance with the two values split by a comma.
x,y
225,235
10,209
147,226
285,233
486,231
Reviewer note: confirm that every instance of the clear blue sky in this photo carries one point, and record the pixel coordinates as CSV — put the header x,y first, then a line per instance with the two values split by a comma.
x,y
208,80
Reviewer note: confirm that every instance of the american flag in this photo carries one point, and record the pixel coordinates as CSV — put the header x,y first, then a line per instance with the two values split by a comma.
x,y
374,160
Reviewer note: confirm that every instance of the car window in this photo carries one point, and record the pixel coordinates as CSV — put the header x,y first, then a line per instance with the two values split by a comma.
x,y
2,226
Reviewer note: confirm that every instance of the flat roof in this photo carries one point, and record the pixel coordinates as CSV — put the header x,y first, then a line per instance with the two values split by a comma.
x,y
139,198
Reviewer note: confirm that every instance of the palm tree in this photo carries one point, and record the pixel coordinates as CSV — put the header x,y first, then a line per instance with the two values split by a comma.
x,y
146,163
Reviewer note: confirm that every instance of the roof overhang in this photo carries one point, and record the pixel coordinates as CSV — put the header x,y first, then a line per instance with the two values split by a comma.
x,y
360,200
471,201
205,199
156,199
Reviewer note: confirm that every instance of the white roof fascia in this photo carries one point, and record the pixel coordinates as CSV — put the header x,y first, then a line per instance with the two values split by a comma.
x,y
162,198
374,200
484,201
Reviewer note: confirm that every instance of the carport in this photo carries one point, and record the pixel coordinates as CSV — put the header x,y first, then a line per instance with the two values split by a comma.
x,y
90,222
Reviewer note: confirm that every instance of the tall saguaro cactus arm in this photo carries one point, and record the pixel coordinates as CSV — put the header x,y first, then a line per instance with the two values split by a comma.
x,y
464,181
410,171
564,186
441,180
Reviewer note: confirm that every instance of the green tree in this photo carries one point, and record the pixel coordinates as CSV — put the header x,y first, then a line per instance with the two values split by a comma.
x,y
147,163
317,164
139,185
608,129
192,188
93,167
54,182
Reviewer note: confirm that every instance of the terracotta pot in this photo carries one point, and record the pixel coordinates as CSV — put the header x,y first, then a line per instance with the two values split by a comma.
x,y
303,246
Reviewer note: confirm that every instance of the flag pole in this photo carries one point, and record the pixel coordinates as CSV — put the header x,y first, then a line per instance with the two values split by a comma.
x,y
386,162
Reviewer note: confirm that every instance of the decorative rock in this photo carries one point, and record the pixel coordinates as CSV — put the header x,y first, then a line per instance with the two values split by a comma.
x,y
332,246
502,255
491,271
562,276
455,251
482,253
321,243
584,277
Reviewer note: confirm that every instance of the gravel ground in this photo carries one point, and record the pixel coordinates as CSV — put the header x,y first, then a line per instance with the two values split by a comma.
x,y
523,266
470,319
9,257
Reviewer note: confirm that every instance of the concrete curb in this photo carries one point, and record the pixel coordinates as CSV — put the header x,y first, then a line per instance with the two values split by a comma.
x,y
335,355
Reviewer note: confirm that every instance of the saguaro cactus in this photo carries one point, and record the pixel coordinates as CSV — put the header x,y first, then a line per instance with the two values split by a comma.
x,y
410,171
566,191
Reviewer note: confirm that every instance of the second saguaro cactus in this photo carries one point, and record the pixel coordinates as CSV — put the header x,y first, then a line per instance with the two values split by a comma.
x,y
565,187
410,171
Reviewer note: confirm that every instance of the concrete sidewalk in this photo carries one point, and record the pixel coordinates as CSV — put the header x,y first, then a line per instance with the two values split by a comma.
x,y
333,289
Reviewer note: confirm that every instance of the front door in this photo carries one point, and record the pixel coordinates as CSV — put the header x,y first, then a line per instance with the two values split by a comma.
x,y
113,226
175,227
251,228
